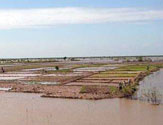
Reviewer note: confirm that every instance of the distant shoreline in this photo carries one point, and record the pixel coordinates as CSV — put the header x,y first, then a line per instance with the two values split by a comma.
x,y
82,57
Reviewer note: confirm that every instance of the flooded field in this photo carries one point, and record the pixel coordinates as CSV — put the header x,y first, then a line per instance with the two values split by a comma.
x,y
30,109
80,79
81,83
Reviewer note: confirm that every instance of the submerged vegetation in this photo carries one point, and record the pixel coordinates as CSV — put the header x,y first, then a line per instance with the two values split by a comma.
x,y
153,96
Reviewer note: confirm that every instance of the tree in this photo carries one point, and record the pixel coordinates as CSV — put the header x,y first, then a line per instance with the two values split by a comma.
x,y
3,71
65,58
140,58
57,67
148,67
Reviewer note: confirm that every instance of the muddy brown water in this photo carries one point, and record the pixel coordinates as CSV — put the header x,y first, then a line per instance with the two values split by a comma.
x,y
31,109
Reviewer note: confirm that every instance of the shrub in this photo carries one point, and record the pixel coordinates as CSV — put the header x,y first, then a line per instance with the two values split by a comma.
x,y
129,90
65,58
57,67
140,59
83,89
113,89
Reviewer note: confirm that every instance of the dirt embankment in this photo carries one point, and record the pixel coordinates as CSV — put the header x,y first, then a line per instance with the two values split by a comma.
x,y
74,92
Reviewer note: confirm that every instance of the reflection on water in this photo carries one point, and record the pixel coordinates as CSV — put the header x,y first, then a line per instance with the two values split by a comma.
x,y
43,83
93,69
151,88
31,109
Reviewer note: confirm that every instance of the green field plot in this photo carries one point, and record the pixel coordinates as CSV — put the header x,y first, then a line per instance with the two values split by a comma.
x,y
114,75
136,68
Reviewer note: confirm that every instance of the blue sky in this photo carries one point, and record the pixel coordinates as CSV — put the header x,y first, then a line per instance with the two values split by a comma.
x,y
80,3
54,28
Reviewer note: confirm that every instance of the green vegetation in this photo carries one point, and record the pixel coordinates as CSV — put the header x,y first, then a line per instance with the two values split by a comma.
x,y
113,89
115,75
136,68
132,68
63,70
128,90
124,71
57,68
159,65
140,58
148,67
65,58
119,72
59,71
83,89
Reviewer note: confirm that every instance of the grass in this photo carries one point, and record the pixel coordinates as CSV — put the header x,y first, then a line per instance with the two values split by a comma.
x,y
57,71
120,72
133,68
159,65
128,90
63,71
136,68
113,89
83,89
115,75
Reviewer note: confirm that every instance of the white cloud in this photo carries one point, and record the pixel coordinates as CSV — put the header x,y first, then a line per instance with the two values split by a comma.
x,y
26,18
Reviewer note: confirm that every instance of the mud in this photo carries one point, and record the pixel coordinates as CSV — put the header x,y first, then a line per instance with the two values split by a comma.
x,y
61,91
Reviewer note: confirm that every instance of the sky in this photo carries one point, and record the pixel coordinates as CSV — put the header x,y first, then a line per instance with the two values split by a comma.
x,y
76,28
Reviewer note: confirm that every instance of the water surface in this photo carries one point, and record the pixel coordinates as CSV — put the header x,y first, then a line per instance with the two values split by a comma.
x,y
31,109
151,84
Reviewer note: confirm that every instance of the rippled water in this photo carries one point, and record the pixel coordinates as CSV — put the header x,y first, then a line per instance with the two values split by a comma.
x,y
151,86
